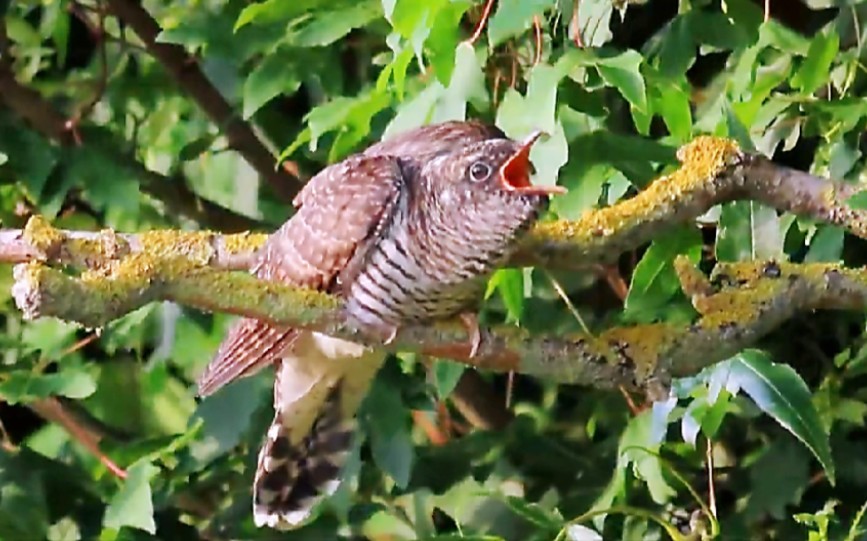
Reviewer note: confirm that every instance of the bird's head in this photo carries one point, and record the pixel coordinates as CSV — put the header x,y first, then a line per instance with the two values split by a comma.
x,y
498,169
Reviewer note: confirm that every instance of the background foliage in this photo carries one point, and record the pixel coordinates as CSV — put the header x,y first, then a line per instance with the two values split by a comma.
x,y
618,85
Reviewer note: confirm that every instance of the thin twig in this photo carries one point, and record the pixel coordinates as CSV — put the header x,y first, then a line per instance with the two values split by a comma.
x,y
52,410
711,487
483,21
537,33
575,27
431,430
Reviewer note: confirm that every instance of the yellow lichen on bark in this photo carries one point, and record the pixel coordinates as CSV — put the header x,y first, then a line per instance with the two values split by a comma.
x,y
44,237
705,157
195,246
703,160
246,242
643,345
97,251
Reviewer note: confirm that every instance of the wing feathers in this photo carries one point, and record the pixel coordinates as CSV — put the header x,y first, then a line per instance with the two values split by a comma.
x,y
340,208
249,346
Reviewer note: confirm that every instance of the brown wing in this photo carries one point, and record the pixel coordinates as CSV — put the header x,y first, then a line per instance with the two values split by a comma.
x,y
338,209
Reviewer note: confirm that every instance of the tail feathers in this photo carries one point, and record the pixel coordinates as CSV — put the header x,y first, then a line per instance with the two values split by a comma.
x,y
292,479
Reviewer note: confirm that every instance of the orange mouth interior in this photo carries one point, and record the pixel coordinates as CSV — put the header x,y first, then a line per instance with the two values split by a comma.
x,y
515,173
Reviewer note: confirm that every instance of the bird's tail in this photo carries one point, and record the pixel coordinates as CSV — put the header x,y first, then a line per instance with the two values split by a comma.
x,y
291,479
318,389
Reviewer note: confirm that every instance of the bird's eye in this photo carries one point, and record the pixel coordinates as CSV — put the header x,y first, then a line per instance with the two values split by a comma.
x,y
480,171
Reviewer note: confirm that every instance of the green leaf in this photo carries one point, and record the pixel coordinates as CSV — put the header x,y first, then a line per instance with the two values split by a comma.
x,y
623,73
388,426
638,446
844,156
509,283
594,22
3,158
534,513
326,28
415,112
678,49
226,417
350,117
24,511
513,17
48,336
778,479
467,83
858,201
272,11
704,414
749,231
446,375
780,37
672,103
461,537
278,73
30,157
132,506
22,386
826,246
813,72
781,393
445,38
654,281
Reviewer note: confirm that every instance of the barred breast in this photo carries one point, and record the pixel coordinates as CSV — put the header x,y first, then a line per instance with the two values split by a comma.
x,y
434,261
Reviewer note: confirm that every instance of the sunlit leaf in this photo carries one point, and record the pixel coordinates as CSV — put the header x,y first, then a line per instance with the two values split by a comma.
x,y
814,71
622,72
132,506
278,73
22,386
781,393
509,283
749,231
513,17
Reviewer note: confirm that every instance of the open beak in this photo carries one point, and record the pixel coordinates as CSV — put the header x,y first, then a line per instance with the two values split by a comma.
x,y
515,173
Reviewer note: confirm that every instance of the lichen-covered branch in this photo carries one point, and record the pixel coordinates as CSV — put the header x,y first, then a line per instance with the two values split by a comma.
x,y
713,171
94,249
739,304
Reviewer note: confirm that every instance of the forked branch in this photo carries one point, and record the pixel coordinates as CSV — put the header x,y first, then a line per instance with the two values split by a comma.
x,y
739,304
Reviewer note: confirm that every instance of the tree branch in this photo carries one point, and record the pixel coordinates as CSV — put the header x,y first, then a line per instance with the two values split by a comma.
x,y
186,72
749,301
714,171
743,302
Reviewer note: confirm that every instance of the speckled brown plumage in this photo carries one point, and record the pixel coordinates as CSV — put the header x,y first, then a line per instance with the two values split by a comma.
x,y
407,231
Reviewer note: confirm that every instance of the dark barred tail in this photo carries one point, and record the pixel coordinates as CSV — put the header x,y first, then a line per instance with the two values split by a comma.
x,y
292,479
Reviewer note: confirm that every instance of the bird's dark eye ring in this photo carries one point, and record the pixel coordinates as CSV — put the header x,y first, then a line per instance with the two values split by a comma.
x,y
480,171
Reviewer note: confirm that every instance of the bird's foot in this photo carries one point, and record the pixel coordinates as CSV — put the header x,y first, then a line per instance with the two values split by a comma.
x,y
471,324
